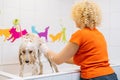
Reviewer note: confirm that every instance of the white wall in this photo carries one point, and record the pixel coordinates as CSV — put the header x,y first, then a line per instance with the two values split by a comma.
x,y
42,13
114,31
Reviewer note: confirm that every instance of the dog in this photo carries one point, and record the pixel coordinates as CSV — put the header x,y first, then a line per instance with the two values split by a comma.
x,y
15,34
44,34
56,37
5,33
30,53
41,34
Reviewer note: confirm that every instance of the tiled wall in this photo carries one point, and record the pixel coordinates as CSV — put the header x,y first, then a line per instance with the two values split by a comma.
x,y
38,13
114,31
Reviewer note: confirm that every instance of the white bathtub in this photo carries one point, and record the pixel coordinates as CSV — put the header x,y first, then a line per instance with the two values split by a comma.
x,y
66,72
12,71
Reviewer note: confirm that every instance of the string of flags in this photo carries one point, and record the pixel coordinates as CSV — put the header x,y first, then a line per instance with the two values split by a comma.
x,y
16,32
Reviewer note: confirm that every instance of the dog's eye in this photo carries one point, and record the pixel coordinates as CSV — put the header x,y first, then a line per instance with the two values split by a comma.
x,y
23,52
20,53
30,52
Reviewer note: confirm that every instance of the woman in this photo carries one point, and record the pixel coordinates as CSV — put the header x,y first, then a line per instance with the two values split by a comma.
x,y
87,46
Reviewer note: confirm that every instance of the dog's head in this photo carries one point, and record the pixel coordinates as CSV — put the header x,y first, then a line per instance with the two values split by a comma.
x,y
29,49
27,53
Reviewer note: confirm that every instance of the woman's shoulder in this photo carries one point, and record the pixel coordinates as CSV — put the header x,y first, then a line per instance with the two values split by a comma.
x,y
81,30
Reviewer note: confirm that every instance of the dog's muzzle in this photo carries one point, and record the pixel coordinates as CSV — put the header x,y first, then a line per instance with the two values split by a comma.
x,y
27,61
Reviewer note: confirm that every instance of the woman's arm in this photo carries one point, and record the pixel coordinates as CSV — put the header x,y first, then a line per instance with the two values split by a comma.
x,y
70,61
66,55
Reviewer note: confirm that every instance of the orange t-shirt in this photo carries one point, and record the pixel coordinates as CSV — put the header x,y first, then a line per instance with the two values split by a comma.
x,y
92,55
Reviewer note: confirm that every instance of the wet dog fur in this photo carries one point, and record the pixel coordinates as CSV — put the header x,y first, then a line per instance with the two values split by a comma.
x,y
30,53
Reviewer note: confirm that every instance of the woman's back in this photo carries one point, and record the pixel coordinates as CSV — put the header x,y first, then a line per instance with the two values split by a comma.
x,y
92,55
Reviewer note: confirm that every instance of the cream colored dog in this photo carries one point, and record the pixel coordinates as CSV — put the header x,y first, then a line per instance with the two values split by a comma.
x,y
30,53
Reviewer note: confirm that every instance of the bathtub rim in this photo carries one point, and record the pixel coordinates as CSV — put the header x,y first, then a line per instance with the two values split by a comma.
x,y
16,77
60,73
50,75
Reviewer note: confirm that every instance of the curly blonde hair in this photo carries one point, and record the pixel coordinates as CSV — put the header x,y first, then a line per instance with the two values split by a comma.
x,y
86,14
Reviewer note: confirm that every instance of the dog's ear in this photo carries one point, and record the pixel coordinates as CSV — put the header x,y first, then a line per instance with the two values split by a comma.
x,y
20,60
35,57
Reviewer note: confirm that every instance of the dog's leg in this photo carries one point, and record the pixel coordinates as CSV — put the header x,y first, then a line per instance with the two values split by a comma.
x,y
53,65
33,69
40,63
41,67
21,70
37,68
10,37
